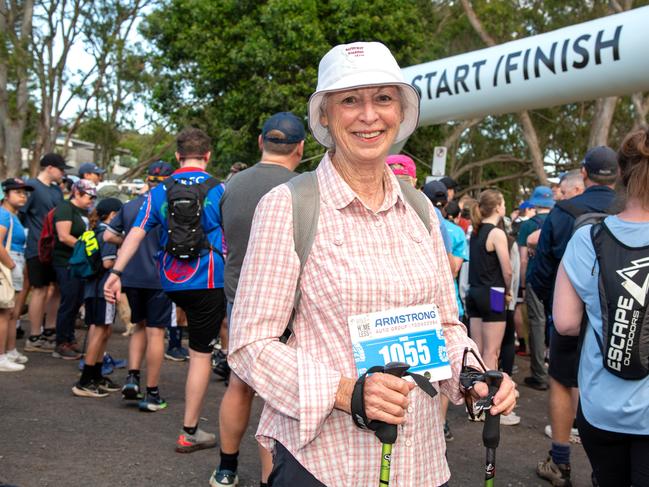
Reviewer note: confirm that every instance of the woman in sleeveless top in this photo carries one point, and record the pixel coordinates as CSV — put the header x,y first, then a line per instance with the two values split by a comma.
x,y
490,274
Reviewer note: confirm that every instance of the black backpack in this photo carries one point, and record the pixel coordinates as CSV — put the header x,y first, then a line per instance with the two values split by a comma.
x,y
623,295
186,236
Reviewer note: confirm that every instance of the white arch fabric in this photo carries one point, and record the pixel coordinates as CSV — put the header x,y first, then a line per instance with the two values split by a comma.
x,y
603,57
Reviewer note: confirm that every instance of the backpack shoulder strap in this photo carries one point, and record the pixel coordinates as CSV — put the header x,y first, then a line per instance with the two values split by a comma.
x,y
595,232
211,183
418,201
168,183
305,198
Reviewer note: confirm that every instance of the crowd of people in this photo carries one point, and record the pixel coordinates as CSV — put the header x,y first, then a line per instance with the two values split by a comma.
x,y
272,269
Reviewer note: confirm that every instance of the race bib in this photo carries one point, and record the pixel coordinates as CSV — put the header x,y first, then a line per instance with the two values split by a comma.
x,y
413,335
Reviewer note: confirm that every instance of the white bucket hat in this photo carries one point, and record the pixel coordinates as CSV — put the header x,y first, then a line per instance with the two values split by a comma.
x,y
356,65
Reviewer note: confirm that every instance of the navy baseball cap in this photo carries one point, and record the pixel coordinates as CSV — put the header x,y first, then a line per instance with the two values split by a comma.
x,y
600,161
160,169
16,183
449,182
437,192
288,124
90,168
56,160
107,205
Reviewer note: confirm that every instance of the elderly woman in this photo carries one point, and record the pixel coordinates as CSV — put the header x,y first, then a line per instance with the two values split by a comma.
x,y
371,253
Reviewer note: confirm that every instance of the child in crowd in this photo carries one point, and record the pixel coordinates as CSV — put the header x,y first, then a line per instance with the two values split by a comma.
x,y
99,313
12,256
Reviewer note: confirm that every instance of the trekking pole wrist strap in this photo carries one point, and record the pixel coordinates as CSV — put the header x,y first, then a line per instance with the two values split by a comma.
x,y
359,415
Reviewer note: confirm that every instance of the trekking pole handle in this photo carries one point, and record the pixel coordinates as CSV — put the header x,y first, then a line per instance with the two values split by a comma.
x,y
491,430
387,433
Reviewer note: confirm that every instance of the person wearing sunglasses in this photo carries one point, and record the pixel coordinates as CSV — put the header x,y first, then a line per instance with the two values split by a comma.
x,y
70,221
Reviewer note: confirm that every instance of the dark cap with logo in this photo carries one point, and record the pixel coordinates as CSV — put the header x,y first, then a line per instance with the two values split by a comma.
x,y
15,183
449,182
600,161
160,169
55,160
291,129
436,192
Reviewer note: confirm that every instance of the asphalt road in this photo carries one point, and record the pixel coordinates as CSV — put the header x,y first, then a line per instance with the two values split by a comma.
x,y
50,438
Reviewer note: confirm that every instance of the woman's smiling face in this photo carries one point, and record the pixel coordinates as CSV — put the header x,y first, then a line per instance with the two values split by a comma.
x,y
363,122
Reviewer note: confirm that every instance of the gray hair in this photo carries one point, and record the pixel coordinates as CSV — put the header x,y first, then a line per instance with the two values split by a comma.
x,y
572,179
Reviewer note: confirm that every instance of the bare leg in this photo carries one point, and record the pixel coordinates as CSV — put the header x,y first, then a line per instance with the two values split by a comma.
x,y
155,340
492,336
37,309
136,347
51,306
95,343
266,463
107,332
476,332
234,413
4,326
223,335
562,411
198,377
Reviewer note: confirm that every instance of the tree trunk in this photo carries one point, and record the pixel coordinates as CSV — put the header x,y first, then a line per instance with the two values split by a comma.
x,y
641,107
602,120
529,132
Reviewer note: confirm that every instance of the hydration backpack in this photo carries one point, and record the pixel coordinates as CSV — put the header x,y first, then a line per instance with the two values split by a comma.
x,y
85,261
47,239
624,299
186,236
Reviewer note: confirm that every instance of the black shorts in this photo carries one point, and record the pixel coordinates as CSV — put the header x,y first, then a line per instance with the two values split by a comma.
x,y
40,275
478,305
564,360
205,309
151,305
99,311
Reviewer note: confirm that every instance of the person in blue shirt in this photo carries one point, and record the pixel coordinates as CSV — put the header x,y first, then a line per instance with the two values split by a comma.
x,y
12,256
151,309
613,413
194,284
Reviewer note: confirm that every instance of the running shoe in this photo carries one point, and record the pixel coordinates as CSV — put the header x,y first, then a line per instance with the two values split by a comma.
x,y
558,475
116,363
175,354
220,364
224,478
65,352
152,403
107,385
40,344
131,388
8,365
512,419
88,390
17,357
448,435
574,434
198,441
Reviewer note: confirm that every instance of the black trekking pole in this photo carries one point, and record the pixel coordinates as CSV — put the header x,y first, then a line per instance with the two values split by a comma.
x,y
387,433
491,430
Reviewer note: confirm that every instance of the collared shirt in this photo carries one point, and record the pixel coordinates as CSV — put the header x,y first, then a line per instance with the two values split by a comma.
x,y
555,235
361,261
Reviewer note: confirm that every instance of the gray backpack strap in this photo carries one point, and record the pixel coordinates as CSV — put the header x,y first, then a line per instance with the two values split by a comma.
x,y
305,197
417,200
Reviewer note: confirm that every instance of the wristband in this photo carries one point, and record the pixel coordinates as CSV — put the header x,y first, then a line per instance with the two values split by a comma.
x,y
116,272
358,404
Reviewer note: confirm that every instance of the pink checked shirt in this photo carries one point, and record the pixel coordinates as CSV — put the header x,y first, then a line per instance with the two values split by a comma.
x,y
361,262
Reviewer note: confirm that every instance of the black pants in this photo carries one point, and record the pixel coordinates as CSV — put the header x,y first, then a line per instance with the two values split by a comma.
x,y
288,472
71,300
618,459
